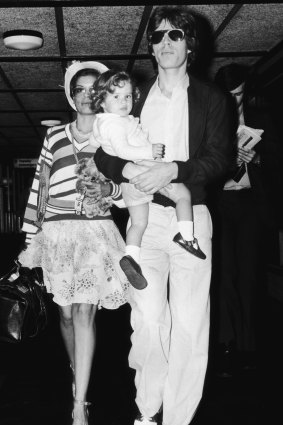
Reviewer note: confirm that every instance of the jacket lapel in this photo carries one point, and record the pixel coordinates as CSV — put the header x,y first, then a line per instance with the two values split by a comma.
x,y
197,108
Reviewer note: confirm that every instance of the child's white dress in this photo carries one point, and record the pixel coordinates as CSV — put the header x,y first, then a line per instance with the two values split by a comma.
x,y
125,138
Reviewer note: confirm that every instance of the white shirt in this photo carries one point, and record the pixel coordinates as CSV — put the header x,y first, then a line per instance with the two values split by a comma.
x,y
167,120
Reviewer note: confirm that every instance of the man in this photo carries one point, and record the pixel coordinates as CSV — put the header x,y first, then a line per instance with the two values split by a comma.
x,y
243,215
170,333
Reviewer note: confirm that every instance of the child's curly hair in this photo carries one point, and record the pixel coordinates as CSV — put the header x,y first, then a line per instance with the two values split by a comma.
x,y
107,82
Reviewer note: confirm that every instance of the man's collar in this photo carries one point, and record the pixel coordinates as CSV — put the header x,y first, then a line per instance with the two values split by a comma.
x,y
182,84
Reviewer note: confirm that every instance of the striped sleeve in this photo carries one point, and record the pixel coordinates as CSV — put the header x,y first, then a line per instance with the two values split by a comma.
x,y
30,216
116,192
116,195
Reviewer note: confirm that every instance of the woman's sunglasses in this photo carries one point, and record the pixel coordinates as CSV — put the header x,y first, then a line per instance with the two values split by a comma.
x,y
79,91
174,35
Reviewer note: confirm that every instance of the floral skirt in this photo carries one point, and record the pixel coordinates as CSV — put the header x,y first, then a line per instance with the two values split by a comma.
x,y
80,262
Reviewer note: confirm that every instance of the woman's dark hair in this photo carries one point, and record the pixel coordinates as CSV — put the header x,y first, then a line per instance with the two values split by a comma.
x,y
82,73
107,82
179,17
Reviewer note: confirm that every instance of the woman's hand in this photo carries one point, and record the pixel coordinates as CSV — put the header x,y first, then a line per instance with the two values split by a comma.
x,y
97,190
156,176
245,155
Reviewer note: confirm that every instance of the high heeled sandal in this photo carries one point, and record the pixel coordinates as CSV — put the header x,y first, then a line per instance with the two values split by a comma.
x,y
85,404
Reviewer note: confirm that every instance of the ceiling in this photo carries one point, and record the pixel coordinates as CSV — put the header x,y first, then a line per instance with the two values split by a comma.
x,y
31,81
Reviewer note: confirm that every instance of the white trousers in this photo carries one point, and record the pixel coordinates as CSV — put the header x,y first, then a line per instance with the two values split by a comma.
x,y
171,323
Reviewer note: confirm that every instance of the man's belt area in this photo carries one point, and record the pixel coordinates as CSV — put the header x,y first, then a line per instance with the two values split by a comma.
x,y
163,200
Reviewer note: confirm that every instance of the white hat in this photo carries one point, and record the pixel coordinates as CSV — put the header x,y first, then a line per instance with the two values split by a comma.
x,y
73,69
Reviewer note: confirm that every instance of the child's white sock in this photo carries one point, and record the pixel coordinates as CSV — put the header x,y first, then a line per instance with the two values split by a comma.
x,y
186,228
134,252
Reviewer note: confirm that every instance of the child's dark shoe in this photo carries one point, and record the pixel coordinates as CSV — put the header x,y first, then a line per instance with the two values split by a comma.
x,y
133,272
190,246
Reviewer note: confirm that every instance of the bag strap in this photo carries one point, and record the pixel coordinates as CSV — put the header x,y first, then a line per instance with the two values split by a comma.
x,y
13,273
41,313
43,183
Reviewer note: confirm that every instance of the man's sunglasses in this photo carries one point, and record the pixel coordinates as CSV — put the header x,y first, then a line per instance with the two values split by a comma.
x,y
174,35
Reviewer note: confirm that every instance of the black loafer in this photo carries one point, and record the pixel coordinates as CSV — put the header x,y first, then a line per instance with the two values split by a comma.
x,y
190,246
133,272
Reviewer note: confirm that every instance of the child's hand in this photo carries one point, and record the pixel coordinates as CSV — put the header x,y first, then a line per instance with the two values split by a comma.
x,y
158,150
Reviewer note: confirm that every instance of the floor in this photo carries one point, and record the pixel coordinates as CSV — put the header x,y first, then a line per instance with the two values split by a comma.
x,y
35,379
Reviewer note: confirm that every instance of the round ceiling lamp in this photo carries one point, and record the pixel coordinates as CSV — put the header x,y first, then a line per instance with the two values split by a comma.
x,y
23,39
51,122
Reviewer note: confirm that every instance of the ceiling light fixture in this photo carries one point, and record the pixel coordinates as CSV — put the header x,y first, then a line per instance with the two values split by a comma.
x,y
51,122
23,39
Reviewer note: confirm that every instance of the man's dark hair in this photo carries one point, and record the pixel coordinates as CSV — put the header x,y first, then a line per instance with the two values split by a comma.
x,y
231,76
107,82
179,17
82,73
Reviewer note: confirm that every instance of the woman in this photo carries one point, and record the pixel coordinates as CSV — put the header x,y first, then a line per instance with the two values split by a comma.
x,y
79,255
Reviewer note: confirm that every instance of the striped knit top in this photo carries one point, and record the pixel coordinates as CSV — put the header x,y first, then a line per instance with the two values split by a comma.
x,y
58,153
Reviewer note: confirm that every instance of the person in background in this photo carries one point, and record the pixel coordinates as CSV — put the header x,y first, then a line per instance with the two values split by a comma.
x,y
171,326
121,134
241,230
79,255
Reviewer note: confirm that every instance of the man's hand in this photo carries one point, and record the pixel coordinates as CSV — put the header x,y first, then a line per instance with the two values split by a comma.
x,y
245,155
156,176
132,169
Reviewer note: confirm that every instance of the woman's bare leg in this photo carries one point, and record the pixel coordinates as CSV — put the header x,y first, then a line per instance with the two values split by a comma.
x,y
84,337
67,331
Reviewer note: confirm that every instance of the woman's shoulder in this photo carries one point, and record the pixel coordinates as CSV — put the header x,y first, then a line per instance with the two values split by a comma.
x,y
56,129
57,132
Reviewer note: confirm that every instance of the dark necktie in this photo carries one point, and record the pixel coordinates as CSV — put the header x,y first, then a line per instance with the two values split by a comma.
x,y
239,173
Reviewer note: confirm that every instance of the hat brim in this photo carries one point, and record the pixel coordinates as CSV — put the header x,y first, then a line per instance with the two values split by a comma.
x,y
73,69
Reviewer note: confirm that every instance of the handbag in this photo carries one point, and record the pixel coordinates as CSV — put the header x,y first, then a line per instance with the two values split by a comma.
x,y
23,311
